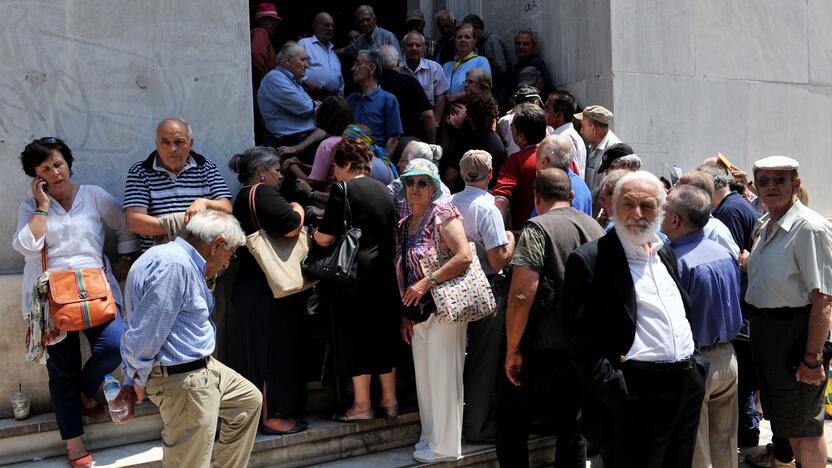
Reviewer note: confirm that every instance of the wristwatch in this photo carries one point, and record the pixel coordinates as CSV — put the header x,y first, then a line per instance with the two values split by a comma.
x,y
432,279
815,360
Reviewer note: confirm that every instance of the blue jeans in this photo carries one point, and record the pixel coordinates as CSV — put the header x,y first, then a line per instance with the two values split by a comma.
x,y
68,379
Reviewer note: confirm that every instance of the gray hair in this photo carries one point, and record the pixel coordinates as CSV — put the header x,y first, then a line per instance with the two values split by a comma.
x,y
719,175
289,50
413,33
178,120
389,57
374,58
482,77
631,162
640,176
432,153
246,163
207,225
557,149
444,12
366,8
692,204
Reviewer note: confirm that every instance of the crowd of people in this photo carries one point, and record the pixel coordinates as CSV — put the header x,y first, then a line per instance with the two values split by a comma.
x,y
631,315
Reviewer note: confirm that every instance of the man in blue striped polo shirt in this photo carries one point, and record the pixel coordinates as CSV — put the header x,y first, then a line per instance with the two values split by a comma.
x,y
173,179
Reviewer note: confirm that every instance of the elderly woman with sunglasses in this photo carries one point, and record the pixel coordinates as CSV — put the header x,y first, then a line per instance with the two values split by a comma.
x,y
67,220
438,348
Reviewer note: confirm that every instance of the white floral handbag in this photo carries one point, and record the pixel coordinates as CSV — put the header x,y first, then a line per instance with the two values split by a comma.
x,y
466,298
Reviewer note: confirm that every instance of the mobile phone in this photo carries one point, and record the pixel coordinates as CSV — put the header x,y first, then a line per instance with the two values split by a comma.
x,y
45,186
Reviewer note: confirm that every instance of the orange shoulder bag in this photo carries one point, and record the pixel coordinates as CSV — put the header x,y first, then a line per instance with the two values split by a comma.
x,y
79,299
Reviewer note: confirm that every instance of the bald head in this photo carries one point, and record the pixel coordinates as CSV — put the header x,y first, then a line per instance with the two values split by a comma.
x,y
553,185
324,27
700,180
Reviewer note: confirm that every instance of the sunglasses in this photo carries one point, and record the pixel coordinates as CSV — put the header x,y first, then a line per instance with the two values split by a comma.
x,y
43,141
776,180
422,184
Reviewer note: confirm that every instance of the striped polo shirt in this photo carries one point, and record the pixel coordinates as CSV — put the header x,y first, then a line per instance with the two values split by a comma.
x,y
151,186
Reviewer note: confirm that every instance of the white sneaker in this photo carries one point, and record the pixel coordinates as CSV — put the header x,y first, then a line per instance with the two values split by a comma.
x,y
421,445
427,455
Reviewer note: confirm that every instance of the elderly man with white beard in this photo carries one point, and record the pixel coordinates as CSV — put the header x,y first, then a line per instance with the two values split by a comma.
x,y
631,339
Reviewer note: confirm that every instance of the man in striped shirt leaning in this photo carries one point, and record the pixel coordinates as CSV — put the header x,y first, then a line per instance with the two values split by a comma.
x,y
173,179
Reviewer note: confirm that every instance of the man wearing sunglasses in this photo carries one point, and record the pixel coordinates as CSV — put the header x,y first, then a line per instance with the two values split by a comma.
x,y
790,293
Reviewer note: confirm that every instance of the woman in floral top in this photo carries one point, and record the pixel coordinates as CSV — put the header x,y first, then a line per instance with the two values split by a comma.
x,y
438,348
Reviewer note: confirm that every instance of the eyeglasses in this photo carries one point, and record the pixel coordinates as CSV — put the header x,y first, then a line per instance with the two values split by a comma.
x,y
420,183
776,180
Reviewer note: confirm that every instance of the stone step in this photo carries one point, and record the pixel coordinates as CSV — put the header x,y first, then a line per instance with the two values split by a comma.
x,y
325,441
37,437
541,453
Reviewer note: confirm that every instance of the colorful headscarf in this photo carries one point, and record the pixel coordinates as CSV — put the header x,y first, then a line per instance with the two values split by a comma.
x,y
358,133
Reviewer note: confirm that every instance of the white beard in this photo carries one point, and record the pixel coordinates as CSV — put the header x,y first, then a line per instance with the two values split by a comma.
x,y
638,237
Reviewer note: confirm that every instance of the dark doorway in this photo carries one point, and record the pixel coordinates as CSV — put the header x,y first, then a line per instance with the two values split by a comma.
x,y
297,17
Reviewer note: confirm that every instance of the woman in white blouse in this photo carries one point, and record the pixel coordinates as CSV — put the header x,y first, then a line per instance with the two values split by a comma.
x,y
68,220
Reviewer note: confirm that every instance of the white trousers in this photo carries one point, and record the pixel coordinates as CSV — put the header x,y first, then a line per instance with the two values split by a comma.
x,y
716,440
439,359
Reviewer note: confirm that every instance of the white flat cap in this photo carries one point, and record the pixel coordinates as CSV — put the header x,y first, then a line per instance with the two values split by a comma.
x,y
777,163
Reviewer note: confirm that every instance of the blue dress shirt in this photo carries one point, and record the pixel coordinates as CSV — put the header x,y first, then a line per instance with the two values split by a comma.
x,y
285,106
711,276
456,78
324,66
378,110
168,303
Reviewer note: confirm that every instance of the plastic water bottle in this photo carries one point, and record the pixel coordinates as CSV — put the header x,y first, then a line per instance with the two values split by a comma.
x,y
118,411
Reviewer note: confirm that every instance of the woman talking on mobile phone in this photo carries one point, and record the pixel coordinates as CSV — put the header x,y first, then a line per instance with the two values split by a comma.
x,y
67,220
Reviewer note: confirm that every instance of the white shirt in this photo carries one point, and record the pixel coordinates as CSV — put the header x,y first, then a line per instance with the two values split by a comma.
x,y
792,261
578,145
593,160
718,232
431,76
482,222
662,330
74,239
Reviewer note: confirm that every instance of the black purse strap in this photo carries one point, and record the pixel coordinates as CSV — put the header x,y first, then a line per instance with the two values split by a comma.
x,y
347,209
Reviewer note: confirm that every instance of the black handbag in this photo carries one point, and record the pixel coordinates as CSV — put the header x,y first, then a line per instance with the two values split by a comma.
x,y
420,312
336,264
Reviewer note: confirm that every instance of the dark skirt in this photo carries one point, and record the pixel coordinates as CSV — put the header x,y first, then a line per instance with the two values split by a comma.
x,y
271,339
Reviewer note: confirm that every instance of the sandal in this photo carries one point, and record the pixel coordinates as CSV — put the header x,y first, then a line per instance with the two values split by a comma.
x,y
357,417
84,461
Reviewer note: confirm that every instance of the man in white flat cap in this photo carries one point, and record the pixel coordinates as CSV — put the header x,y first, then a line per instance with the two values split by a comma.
x,y
790,293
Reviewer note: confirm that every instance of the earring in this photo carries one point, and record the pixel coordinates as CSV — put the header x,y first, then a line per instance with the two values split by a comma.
x,y
262,178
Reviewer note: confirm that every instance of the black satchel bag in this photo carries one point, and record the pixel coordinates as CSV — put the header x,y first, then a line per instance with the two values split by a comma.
x,y
337,263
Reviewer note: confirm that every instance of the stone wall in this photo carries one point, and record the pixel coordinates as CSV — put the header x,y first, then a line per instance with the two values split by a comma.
x,y
100,74
687,79
748,79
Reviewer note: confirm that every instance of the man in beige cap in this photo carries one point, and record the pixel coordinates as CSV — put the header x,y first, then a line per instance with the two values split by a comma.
x,y
595,130
484,227
790,294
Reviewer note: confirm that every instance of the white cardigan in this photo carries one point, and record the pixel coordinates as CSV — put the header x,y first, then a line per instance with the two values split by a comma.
x,y
75,239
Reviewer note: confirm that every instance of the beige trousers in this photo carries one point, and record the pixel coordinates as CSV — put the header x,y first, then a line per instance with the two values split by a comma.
x,y
716,440
190,404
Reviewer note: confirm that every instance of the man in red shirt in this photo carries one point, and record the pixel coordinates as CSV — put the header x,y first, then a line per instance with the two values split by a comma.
x,y
514,192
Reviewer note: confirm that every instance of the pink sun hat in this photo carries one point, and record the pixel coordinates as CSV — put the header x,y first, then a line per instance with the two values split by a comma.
x,y
266,9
